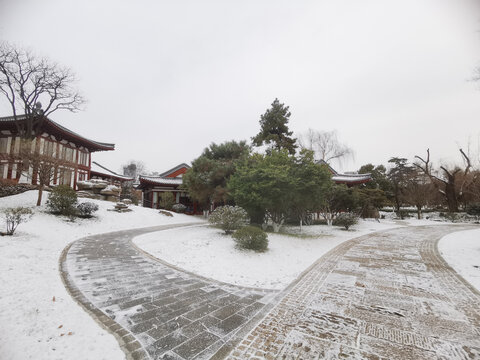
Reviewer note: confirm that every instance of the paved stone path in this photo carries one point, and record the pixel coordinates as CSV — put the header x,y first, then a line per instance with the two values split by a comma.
x,y
155,310
388,295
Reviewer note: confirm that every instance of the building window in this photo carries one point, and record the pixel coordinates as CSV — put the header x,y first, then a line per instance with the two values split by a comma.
x,y
3,171
4,145
65,177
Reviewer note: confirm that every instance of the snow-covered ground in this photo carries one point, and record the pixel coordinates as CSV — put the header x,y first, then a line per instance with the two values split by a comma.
x,y
209,252
461,250
39,319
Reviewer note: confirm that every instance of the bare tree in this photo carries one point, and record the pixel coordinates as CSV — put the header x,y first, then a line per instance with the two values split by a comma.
x,y
134,168
325,145
27,81
42,166
418,191
448,184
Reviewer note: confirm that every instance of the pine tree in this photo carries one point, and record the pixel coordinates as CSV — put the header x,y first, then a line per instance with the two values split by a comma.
x,y
274,129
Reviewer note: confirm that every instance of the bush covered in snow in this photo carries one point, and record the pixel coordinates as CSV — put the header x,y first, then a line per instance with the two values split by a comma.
x,y
346,220
62,200
179,208
86,209
15,216
251,238
229,218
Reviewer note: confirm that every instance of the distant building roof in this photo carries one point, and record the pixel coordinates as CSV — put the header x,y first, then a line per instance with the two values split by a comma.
x,y
348,179
172,172
53,128
102,170
158,180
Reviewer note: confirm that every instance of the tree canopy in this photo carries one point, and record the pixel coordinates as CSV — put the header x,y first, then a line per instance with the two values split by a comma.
x,y
206,180
274,129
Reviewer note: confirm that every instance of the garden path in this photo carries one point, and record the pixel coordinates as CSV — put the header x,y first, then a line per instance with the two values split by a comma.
x,y
387,295
154,309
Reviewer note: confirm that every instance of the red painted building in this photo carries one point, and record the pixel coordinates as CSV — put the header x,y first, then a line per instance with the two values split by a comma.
x,y
73,149
168,182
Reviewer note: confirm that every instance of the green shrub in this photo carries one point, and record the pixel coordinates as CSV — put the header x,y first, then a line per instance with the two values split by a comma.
x,y
179,208
62,200
229,218
166,200
86,209
252,238
15,216
346,220
473,209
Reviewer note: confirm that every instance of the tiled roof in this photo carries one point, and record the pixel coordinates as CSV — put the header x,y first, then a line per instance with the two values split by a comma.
x,y
172,170
66,132
351,178
160,180
99,169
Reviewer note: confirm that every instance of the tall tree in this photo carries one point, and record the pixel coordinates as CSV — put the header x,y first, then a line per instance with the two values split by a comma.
x,y
418,191
398,175
448,185
206,180
274,129
325,145
27,81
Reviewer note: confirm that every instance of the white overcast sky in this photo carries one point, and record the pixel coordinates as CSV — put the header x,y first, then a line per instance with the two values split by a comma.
x,y
164,79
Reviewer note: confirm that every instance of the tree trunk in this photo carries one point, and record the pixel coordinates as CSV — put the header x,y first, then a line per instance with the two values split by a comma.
x,y
419,212
40,193
451,197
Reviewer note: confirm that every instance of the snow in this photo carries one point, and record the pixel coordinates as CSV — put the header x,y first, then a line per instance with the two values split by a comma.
x,y
461,250
207,251
36,312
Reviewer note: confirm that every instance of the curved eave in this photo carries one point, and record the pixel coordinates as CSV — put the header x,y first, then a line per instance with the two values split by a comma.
x,y
146,183
70,135
352,182
100,174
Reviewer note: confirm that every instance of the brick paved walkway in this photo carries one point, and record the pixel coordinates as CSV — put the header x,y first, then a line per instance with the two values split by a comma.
x,y
388,295
154,310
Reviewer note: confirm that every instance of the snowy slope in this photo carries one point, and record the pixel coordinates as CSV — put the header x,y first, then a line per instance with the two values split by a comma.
x,y
462,252
34,325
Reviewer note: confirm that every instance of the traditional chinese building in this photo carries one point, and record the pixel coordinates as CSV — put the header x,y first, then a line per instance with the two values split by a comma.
x,y
100,172
54,140
347,179
167,182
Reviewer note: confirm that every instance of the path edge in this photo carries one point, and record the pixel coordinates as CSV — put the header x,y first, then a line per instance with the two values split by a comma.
x,y
128,343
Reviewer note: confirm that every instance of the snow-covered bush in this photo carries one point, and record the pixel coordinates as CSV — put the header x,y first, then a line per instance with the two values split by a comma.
x,y
229,218
86,209
179,208
252,238
15,216
62,200
346,220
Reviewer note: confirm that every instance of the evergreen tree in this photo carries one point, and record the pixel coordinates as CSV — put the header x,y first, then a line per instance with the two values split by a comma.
x,y
206,180
274,129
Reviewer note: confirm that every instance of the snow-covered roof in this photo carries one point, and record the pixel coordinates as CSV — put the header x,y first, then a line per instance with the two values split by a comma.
x,y
102,170
52,126
351,178
159,180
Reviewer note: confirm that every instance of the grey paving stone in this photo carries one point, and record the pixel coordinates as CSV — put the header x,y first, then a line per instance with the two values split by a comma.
x,y
159,306
196,345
